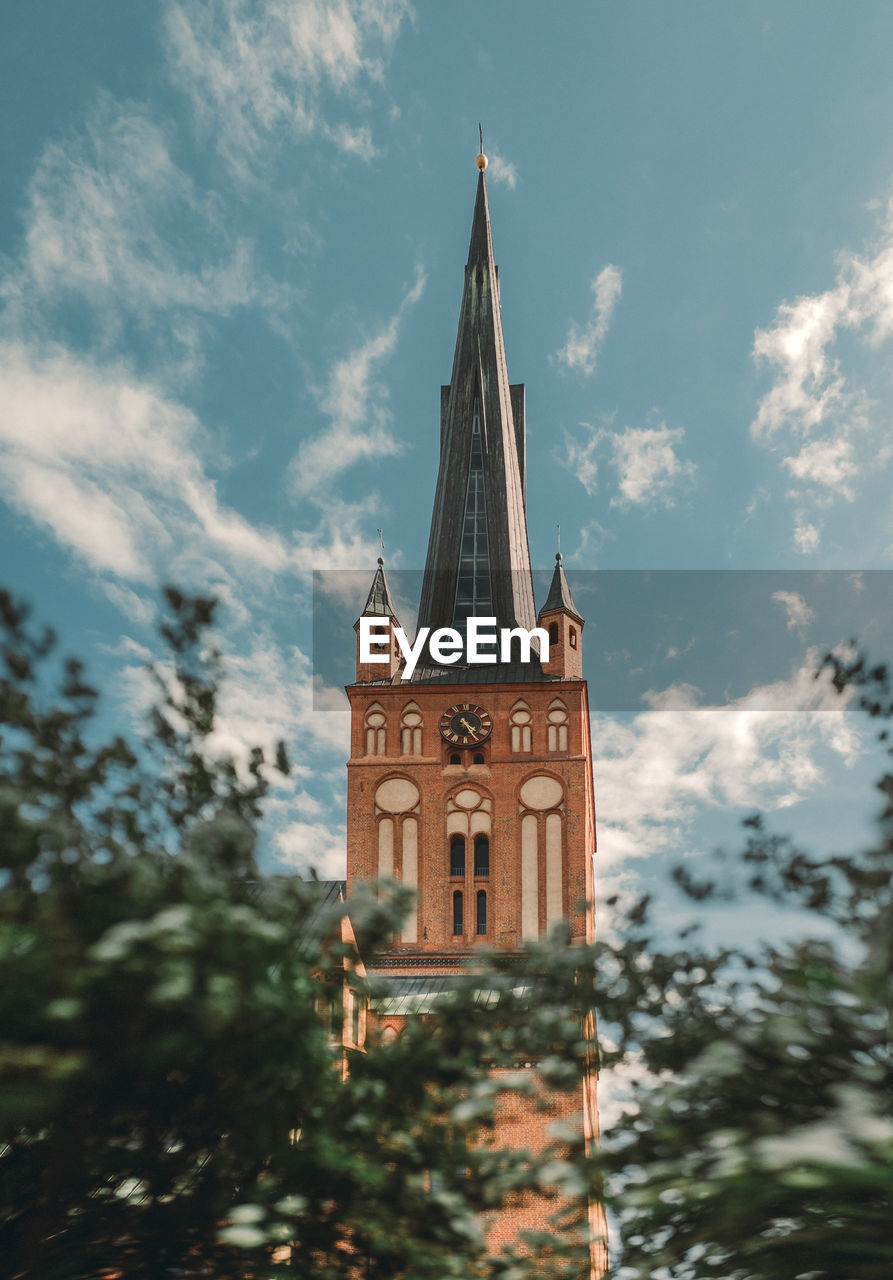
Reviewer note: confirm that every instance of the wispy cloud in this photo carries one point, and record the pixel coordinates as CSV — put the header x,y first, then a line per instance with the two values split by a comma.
x,y
103,214
648,467
818,414
645,462
321,846
501,170
584,342
657,772
113,467
266,696
797,611
257,71
356,405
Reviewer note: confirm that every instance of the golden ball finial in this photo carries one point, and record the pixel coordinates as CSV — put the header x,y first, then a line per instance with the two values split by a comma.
x,y
481,162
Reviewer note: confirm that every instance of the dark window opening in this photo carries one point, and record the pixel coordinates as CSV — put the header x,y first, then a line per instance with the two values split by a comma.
x,y
474,594
553,633
482,912
573,638
457,914
481,855
478,758
457,856
455,758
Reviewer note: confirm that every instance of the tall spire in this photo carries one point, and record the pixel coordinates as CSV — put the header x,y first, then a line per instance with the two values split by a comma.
x,y
559,596
478,560
378,602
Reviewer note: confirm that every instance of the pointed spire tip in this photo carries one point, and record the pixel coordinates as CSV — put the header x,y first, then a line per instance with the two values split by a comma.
x,y
481,160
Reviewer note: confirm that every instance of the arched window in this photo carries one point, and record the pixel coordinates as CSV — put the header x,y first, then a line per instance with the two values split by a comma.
x,y
481,912
457,914
375,722
457,855
520,722
455,758
557,718
572,635
553,633
411,730
478,757
481,855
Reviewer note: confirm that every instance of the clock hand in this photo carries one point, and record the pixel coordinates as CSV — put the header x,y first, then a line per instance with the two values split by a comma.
x,y
466,725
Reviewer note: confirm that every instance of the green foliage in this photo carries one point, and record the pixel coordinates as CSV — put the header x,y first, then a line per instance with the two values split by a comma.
x,y
171,1101
759,1144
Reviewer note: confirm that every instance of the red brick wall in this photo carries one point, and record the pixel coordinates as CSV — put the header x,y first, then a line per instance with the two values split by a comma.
x,y
499,778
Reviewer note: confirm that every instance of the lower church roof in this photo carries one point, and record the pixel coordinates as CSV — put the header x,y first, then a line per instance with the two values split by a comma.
x,y
501,673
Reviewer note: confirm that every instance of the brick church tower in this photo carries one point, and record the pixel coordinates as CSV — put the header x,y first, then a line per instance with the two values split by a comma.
x,y
473,784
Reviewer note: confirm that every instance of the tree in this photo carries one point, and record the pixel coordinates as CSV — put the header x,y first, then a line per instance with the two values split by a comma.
x,y
171,1102
760,1140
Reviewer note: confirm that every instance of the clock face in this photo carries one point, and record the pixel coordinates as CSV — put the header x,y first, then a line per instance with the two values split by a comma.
x,y
466,724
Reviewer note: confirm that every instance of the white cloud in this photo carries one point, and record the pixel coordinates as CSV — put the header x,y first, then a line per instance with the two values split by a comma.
x,y
357,408
806,534
584,343
112,466
96,219
647,465
501,170
797,611
318,846
826,462
819,412
266,696
581,456
257,72
655,773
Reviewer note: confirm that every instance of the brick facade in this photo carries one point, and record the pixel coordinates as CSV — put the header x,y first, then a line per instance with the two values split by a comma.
x,y
494,831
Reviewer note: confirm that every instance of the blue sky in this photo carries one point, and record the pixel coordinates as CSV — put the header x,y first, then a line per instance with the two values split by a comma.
x,y
231,245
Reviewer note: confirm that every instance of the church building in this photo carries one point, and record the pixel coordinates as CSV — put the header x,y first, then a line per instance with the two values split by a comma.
x,y
472,784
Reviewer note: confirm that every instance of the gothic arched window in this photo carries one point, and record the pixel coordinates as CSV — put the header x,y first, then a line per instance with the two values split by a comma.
x,y
457,914
376,734
481,855
520,722
557,718
572,636
481,912
411,730
553,633
457,855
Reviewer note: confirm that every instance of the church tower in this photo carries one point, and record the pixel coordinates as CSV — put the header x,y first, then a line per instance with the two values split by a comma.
x,y
472,784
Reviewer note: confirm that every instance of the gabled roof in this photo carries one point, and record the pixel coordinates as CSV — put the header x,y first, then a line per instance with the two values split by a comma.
x,y
559,596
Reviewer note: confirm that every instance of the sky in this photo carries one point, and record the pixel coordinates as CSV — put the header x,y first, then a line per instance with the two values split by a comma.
x,y
232,237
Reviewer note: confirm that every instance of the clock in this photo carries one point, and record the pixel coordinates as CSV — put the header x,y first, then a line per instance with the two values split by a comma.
x,y
466,724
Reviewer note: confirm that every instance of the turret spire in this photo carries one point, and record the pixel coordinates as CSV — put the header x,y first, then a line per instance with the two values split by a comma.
x,y
478,562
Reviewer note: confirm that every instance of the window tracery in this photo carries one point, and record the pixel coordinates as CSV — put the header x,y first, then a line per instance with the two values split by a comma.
x,y
411,730
375,724
519,718
557,725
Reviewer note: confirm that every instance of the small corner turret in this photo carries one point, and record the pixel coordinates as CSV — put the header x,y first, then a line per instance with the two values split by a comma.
x,y
379,606
560,617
